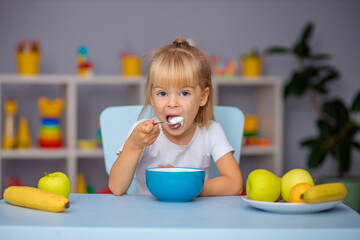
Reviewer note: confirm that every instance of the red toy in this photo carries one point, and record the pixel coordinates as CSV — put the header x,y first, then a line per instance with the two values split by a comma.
x,y
13,181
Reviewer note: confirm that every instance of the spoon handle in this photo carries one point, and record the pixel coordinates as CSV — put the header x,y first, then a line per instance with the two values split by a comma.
x,y
162,122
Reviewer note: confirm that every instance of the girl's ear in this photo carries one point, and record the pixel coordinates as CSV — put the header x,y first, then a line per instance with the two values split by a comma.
x,y
151,100
204,97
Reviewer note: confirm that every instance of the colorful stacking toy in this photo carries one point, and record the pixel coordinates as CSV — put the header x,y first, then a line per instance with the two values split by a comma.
x,y
50,131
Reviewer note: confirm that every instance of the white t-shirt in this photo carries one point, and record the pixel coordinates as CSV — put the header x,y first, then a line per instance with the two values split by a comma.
x,y
205,144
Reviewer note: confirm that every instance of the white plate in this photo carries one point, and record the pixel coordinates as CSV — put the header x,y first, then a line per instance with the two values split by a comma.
x,y
285,207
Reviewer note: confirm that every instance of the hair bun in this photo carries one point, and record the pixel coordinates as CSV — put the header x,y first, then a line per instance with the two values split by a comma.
x,y
179,41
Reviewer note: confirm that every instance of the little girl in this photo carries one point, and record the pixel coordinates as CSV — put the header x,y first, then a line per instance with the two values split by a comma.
x,y
178,85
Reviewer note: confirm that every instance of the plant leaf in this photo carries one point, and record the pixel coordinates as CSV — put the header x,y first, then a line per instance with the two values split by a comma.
x,y
276,50
337,110
320,57
355,107
316,157
302,50
320,88
292,87
307,32
331,74
300,82
310,142
326,130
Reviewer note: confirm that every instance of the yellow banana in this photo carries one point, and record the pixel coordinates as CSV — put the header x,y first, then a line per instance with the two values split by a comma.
x,y
328,192
36,198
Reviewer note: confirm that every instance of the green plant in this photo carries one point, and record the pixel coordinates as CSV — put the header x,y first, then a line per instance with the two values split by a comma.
x,y
336,123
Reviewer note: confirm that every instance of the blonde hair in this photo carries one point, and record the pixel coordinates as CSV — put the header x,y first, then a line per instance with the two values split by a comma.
x,y
180,64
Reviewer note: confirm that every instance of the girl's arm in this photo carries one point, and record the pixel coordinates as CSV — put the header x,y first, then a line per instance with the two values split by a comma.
x,y
123,170
229,182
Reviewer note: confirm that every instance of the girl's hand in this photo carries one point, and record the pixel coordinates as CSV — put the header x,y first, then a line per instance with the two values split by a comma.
x,y
167,165
144,134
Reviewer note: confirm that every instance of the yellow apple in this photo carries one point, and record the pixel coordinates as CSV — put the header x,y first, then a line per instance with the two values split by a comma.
x,y
263,185
56,182
293,177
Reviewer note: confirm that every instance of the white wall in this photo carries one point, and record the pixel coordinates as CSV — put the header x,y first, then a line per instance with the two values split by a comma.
x,y
226,28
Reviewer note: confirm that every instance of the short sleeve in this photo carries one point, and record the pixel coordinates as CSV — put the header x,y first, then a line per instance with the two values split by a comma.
x,y
218,142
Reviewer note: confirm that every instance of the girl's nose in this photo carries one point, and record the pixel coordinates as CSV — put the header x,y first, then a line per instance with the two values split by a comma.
x,y
173,102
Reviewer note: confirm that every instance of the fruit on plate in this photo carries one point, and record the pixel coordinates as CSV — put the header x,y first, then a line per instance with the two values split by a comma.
x,y
56,182
296,191
293,177
35,198
328,192
263,185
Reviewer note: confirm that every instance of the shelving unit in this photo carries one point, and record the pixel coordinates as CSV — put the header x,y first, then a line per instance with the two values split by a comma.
x,y
261,96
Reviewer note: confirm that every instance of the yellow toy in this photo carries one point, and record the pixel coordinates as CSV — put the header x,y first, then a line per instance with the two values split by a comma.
x,y
23,138
251,129
81,183
50,108
50,131
9,138
251,64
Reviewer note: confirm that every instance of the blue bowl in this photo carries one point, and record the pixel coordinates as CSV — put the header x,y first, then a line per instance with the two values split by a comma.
x,y
175,184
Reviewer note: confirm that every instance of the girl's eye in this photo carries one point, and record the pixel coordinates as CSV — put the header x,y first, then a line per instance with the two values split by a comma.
x,y
162,94
185,93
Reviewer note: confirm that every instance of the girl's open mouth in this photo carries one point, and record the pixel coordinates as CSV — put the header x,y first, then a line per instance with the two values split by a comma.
x,y
175,119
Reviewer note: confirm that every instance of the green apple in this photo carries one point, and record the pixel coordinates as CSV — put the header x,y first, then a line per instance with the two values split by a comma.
x,y
263,185
293,177
56,182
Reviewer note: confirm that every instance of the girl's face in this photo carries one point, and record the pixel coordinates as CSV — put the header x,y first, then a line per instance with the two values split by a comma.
x,y
184,101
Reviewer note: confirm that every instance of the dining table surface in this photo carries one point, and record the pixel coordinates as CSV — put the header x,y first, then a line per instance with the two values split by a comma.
x,y
106,216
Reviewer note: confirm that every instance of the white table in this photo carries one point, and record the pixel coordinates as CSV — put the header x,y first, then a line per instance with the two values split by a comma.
x,y
105,216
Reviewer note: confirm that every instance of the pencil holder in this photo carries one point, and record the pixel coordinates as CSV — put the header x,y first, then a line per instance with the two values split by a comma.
x,y
131,66
251,66
28,63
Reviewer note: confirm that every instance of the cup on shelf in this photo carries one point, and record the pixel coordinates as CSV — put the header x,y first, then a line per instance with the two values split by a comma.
x,y
131,66
28,63
251,64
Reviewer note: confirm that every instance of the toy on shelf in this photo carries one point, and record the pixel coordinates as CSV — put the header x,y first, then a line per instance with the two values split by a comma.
x,y
87,144
23,140
84,65
251,129
9,136
99,138
50,131
251,132
105,190
81,183
251,64
28,57
131,64
222,67
13,181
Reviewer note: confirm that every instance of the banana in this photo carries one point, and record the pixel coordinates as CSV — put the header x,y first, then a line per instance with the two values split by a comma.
x,y
328,192
35,198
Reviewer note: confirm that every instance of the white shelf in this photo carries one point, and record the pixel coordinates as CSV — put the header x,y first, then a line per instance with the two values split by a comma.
x,y
93,153
267,92
257,151
35,154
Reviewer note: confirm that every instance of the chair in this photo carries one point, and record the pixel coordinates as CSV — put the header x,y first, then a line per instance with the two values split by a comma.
x,y
116,121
